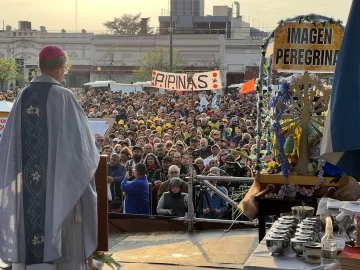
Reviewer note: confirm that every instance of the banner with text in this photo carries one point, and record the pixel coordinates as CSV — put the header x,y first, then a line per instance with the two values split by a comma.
x,y
305,46
187,82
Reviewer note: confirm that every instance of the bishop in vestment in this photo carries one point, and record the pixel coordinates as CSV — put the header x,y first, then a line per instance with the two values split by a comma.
x,y
48,158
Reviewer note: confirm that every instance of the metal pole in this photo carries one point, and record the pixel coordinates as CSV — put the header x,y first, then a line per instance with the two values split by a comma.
x,y
224,221
171,35
223,178
218,192
191,196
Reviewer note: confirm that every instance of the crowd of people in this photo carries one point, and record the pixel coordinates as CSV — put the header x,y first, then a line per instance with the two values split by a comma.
x,y
157,139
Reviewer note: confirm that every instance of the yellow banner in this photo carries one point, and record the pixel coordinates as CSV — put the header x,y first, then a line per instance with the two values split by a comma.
x,y
305,46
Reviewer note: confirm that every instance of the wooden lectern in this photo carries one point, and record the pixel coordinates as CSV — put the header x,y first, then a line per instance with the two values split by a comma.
x,y
102,203
102,196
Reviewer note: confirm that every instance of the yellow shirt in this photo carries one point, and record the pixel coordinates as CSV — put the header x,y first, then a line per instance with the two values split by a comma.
x,y
215,125
186,134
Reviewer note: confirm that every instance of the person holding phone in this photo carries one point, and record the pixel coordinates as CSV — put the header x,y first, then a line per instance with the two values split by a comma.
x,y
137,192
137,152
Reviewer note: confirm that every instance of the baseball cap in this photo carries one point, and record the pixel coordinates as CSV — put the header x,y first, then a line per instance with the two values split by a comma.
x,y
230,158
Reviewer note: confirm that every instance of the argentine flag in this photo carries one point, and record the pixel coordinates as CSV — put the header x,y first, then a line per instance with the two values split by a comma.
x,y
214,102
341,139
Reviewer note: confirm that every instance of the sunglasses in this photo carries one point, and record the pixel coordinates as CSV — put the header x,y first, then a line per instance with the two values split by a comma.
x,y
174,172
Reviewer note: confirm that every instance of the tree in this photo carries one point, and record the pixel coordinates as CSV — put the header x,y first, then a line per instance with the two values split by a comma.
x,y
159,59
215,64
108,63
128,24
32,73
8,71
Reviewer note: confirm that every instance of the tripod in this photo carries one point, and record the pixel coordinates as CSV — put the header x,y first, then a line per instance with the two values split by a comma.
x,y
199,202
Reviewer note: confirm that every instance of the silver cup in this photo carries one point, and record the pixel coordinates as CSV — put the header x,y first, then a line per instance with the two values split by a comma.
x,y
302,212
297,244
276,245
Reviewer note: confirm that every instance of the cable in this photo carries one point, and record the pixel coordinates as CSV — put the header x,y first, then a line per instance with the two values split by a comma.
x,y
232,224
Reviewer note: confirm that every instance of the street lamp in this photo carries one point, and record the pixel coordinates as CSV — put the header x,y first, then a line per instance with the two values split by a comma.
x,y
98,68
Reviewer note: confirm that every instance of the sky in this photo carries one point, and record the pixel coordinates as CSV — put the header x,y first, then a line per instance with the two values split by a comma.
x,y
60,14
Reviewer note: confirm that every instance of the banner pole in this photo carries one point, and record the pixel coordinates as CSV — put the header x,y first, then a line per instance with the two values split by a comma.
x,y
259,111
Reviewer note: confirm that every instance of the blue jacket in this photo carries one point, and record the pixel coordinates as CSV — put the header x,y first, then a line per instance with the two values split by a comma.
x,y
118,172
137,196
215,202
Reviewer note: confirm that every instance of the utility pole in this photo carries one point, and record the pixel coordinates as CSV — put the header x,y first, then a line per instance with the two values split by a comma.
x,y
171,35
76,15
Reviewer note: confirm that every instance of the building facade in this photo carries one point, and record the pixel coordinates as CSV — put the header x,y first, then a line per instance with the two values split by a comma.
x,y
111,57
188,7
224,20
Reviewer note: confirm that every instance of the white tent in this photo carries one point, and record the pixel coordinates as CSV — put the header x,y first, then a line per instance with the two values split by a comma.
x,y
99,83
126,88
5,106
144,84
236,86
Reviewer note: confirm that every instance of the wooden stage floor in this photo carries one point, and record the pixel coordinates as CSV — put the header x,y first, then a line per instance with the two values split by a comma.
x,y
181,250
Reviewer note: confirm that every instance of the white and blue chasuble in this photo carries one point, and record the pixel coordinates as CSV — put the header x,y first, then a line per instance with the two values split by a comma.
x,y
48,158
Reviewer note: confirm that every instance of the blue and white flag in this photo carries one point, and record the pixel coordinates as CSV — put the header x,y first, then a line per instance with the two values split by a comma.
x,y
341,139
214,102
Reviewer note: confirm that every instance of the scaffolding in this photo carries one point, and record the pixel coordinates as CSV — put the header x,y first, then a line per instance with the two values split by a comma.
x,y
191,218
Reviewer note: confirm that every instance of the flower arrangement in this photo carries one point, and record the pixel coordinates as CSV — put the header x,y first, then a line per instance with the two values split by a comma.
x,y
273,167
271,164
285,190
291,190
278,105
105,259
312,18
309,192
